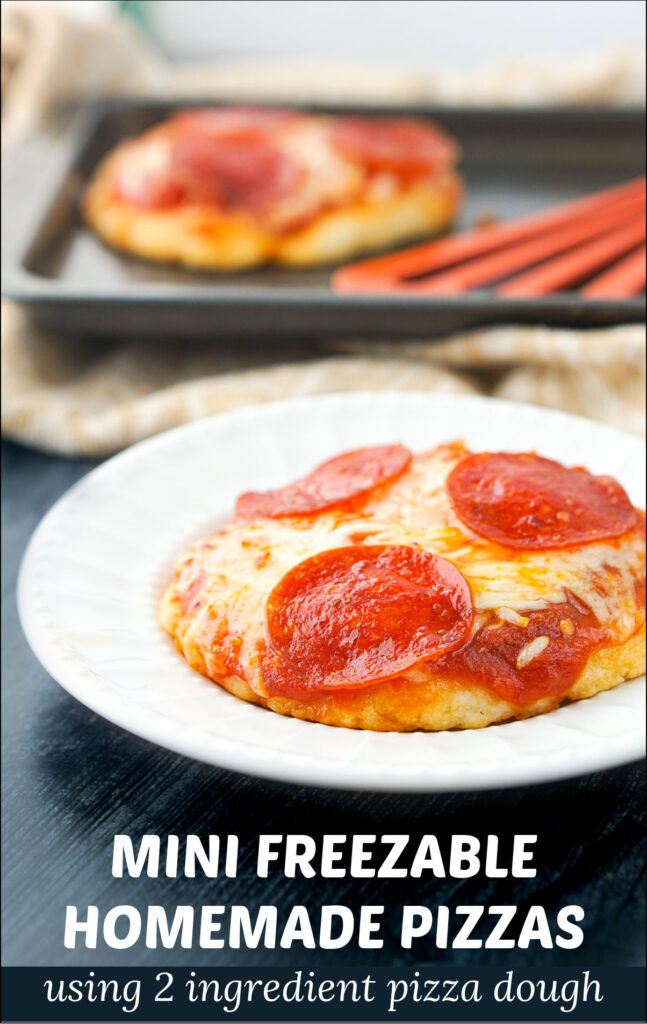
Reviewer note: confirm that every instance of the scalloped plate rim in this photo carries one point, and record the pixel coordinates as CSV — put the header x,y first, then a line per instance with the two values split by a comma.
x,y
73,673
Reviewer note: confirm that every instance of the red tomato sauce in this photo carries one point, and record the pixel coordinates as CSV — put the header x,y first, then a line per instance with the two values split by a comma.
x,y
490,659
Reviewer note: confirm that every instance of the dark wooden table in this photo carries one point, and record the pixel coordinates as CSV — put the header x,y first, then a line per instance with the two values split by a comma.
x,y
72,780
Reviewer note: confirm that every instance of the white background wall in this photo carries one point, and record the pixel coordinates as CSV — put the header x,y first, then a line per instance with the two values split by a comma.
x,y
454,33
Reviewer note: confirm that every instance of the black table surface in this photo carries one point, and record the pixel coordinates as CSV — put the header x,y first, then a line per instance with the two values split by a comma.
x,y
71,781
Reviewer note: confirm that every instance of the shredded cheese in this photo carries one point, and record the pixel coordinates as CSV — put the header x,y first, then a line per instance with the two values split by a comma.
x,y
532,650
510,615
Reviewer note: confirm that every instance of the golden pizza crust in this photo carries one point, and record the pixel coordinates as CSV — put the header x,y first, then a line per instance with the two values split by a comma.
x,y
204,238
401,705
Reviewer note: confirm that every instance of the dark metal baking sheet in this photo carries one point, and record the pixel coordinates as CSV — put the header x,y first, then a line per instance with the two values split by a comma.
x,y
513,161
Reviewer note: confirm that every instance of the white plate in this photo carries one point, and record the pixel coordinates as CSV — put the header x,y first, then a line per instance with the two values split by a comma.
x,y
98,562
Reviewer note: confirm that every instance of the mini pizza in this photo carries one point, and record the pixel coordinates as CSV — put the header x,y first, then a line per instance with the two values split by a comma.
x,y
392,591
231,188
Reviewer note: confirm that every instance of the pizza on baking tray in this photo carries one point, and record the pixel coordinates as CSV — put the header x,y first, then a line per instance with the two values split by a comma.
x,y
393,591
234,187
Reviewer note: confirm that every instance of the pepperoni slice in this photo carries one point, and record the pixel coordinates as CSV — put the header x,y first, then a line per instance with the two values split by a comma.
x,y
335,482
222,157
356,615
242,171
526,501
395,144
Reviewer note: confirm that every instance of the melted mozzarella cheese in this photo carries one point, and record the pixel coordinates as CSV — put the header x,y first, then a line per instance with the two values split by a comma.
x,y
328,178
136,162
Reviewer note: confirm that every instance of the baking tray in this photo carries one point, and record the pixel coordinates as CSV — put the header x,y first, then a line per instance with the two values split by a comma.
x,y
514,162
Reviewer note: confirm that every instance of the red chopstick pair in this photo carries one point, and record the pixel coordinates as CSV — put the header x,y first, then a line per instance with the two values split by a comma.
x,y
598,240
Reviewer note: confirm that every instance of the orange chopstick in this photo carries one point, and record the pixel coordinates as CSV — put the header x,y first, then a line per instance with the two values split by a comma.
x,y
625,278
385,273
496,265
572,266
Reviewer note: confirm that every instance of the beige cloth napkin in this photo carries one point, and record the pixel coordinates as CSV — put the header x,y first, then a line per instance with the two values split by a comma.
x,y
66,396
